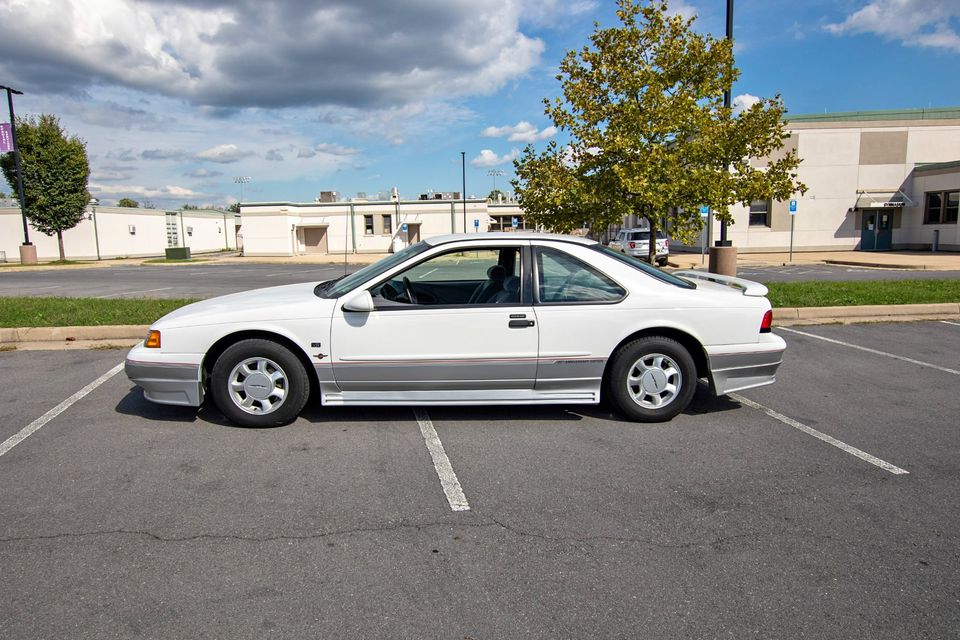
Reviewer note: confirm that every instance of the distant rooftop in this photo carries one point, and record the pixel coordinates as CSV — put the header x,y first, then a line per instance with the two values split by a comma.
x,y
933,166
937,113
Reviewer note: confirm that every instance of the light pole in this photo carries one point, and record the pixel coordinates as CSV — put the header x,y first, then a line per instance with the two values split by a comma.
x,y
723,242
93,216
494,173
28,252
241,180
463,194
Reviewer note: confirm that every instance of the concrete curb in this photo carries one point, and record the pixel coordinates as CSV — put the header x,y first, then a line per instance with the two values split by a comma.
x,y
882,265
87,337
787,316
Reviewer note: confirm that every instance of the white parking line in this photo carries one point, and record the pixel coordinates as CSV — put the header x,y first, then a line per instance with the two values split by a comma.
x,y
874,351
843,446
956,324
34,426
126,293
448,479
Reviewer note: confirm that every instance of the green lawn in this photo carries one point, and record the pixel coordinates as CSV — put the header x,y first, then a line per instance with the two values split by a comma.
x,y
83,312
842,294
62,312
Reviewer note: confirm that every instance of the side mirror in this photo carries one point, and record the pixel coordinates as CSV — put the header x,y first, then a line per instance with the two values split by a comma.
x,y
362,302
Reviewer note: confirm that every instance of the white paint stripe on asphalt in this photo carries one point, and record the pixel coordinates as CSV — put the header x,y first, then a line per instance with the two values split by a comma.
x,y
843,446
956,324
448,479
127,293
34,426
875,351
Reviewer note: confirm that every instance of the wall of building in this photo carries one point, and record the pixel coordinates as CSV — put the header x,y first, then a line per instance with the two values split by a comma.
x,y
913,233
121,232
277,229
848,165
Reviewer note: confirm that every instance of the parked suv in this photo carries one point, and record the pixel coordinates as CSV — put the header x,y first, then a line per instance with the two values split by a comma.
x,y
636,243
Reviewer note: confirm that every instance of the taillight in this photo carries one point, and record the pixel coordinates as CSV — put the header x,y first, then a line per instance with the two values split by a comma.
x,y
767,323
666,243
632,245
153,340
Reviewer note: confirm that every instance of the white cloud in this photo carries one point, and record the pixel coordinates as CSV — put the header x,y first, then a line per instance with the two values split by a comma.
x,y
224,154
523,131
925,23
488,158
743,102
681,8
248,53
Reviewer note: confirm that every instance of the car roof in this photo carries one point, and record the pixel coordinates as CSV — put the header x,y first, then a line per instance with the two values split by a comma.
x,y
508,235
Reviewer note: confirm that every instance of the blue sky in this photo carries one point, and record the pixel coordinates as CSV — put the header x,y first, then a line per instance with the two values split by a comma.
x,y
176,98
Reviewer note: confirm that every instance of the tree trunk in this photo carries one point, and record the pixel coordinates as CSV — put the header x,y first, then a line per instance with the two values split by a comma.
x,y
60,244
652,244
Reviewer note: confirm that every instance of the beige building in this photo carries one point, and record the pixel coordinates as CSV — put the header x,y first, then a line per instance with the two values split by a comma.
x,y
117,232
876,180
363,226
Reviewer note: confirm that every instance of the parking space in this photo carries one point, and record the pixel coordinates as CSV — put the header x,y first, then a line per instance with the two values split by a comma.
x,y
123,518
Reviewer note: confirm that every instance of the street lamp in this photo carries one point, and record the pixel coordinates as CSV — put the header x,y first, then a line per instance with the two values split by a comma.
x,y
723,242
93,216
242,180
28,252
494,173
463,194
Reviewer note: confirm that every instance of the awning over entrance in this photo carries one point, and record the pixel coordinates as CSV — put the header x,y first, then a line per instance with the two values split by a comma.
x,y
881,198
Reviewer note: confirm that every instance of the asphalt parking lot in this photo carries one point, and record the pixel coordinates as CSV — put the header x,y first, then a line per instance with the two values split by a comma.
x,y
747,516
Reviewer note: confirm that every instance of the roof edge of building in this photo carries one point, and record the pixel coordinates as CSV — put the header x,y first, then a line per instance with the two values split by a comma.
x,y
934,113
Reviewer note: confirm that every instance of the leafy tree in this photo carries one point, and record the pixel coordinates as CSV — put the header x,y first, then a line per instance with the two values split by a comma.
x,y
55,172
189,207
128,202
649,135
496,195
235,207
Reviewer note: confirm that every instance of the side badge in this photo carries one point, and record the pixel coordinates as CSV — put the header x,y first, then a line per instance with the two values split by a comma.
x,y
315,345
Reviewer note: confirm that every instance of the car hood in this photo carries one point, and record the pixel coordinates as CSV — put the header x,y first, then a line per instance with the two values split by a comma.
x,y
287,302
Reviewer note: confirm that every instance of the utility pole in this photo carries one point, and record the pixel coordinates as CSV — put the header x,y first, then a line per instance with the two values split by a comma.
x,y
463,194
28,252
723,255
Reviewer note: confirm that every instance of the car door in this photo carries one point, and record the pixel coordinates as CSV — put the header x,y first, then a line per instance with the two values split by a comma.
x,y
468,326
579,315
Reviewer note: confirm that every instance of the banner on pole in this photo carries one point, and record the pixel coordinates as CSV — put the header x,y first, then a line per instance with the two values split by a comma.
x,y
6,138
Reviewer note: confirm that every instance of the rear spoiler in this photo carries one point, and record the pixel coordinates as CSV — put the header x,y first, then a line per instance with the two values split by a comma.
x,y
749,287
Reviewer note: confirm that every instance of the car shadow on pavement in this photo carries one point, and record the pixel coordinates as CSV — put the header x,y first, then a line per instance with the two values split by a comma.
x,y
134,404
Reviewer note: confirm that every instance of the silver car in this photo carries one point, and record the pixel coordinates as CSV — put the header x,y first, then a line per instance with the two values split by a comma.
x,y
636,243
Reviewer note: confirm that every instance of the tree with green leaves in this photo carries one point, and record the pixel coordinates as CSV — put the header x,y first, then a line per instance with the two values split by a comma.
x,y
648,133
496,195
189,207
128,202
235,207
55,172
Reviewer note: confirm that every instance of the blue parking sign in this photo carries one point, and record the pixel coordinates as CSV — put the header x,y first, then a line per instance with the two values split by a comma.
x,y
704,210
403,227
793,207
516,223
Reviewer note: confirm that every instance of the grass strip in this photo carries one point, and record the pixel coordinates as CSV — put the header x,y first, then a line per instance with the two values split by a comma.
x,y
83,312
844,294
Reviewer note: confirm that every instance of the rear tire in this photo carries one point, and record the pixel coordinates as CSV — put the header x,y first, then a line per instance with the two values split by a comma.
x,y
652,379
259,383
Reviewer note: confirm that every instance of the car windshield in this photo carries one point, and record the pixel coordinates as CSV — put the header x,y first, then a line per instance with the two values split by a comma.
x,y
646,268
347,284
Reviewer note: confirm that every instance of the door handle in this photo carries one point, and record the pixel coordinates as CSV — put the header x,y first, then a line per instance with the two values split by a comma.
x,y
521,324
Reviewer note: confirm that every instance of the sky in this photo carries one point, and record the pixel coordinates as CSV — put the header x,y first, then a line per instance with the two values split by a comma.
x,y
175,99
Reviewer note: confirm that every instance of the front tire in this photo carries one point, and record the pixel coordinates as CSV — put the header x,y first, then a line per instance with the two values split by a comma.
x,y
259,383
652,379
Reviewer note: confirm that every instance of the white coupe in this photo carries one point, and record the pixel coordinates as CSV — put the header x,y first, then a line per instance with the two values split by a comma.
x,y
468,319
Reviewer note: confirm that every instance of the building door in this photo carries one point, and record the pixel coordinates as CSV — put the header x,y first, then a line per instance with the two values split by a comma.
x,y
315,239
413,232
868,231
884,231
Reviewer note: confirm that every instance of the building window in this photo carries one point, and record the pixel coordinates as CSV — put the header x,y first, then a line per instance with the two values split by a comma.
x,y
387,225
941,207
368,225
760,213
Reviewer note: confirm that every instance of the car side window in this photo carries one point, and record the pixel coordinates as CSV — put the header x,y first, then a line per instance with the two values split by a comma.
x,y
464,276
562,278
